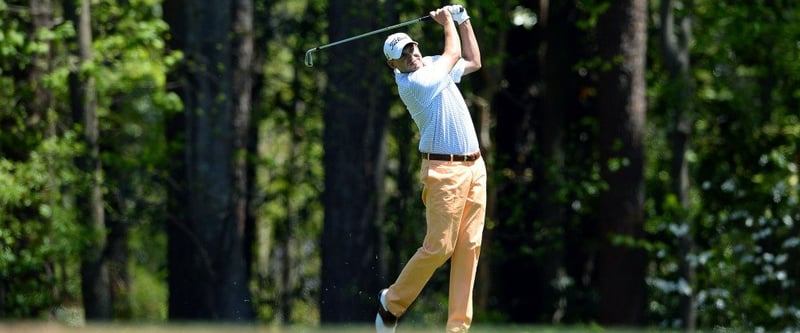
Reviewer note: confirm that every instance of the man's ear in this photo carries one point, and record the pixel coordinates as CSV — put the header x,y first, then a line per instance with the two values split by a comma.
x,y
391,64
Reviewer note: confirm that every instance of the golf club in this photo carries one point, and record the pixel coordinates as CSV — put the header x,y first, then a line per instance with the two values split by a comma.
x,y
310,60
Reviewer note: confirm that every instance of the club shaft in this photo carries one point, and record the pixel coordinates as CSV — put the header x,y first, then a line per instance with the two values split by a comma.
x,y
399,25
309,60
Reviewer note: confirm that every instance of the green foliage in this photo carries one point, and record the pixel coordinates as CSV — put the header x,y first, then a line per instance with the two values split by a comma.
x,y
41,242
594,9
148,292
131,65
744,172
743,214
39,237
289,168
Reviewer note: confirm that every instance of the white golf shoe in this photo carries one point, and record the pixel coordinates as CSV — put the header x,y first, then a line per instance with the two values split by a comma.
x,y
385,321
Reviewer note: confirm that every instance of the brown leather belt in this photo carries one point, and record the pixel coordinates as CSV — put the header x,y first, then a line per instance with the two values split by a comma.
x,y
451,157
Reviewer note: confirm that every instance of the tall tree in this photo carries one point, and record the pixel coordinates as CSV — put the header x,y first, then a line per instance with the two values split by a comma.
x,y
675,37
243,97
41,20
354,141
491,33
537,110
206,251
561,110
95,284
27,287
243,90
622,38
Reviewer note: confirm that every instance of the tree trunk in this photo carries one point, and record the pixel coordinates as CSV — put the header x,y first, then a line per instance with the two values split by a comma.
x,y
355,129
558,56
285,232
622,38
118,251
42,120
243,83
206,255
487,84
242,93
94,268
531,132
516,134
548,162
41,18
675,44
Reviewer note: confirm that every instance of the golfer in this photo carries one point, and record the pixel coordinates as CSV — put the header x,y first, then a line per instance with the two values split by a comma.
x,y
452,172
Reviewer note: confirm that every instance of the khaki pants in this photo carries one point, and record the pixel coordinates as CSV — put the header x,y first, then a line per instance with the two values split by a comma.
x,y
454,194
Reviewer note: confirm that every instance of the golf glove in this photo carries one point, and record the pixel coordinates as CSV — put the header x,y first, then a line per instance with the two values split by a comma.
x,y
459,13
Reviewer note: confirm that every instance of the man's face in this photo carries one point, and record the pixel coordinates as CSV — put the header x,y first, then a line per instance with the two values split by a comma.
x,y
410,61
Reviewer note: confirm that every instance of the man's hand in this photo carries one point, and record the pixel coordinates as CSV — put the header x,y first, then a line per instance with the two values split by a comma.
x,y
441,16
458,12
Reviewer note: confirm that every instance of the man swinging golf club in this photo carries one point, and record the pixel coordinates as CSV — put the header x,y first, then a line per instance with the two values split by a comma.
x,y
452,171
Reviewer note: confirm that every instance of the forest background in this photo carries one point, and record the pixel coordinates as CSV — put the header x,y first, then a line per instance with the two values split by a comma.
x,y
176,160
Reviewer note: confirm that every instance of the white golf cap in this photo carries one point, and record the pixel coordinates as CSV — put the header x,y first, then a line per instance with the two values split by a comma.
x,y
394,44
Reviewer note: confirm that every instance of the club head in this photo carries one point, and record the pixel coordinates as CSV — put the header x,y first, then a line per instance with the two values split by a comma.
x,y
309,58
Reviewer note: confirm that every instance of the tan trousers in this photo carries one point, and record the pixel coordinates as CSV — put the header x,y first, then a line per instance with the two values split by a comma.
x,y
454,194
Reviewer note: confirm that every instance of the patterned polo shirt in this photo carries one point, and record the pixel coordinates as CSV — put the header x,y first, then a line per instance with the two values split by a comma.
x,y
438,108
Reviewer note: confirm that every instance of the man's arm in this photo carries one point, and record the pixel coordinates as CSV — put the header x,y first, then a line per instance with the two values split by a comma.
x,y
469,44
452,43
471,52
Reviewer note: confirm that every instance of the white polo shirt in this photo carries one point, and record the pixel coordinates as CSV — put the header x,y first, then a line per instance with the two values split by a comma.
x,y
438,108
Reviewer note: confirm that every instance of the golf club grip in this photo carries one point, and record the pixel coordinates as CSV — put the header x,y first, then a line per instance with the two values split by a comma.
x,y
425,18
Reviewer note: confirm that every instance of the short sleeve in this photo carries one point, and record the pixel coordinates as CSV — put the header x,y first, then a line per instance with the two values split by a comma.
x,y
458,70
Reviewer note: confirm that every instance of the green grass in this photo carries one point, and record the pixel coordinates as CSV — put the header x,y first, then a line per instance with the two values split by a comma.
x,y
55,327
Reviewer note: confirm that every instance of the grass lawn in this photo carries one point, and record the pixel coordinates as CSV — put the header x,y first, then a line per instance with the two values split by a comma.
x,y
54,327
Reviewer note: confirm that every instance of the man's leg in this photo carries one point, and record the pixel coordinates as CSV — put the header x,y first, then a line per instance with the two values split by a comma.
x,y
464,262
446,187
